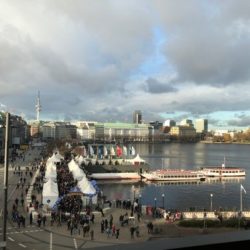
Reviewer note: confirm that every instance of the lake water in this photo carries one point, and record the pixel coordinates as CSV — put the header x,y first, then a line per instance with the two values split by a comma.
x,y
226,193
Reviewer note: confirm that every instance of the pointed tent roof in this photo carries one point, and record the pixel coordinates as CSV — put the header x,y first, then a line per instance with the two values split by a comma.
x,y
78,174
135,160
86,187
138,159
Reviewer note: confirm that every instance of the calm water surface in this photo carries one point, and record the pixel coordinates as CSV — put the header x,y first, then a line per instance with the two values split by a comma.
x,y
226,193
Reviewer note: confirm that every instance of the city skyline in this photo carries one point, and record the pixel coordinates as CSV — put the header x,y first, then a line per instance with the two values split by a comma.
x,y
104,60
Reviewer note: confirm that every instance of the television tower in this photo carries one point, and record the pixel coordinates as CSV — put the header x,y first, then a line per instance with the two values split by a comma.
x,y
38,107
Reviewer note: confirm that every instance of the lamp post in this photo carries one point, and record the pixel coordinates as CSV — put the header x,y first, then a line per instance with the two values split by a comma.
x,y
211,202
5,185
155,207
139,203
132,207
163,204
139,199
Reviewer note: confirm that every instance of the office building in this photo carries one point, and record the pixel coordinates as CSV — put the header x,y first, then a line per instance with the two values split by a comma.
x,y
137,117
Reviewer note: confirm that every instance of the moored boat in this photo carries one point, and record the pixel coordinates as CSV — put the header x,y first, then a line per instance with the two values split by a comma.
x,y
223,171
173,175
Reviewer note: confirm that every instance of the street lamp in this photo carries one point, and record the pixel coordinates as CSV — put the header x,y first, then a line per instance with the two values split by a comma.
x,y
139,199
163,205
133,189
155,207
211,202
139,203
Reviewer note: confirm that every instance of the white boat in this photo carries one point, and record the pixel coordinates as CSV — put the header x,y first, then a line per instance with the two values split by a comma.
x,y
223,171
173,175
115,176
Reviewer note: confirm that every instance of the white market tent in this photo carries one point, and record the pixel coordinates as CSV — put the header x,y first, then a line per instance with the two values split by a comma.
x,y
50,170
55,158
86,187
136,160
50,193
78,174
80,159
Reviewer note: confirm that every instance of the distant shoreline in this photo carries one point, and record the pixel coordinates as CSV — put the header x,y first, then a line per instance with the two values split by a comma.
x,y
209,142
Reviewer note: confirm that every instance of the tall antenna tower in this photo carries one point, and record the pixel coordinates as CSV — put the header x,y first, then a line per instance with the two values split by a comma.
x,y
38,107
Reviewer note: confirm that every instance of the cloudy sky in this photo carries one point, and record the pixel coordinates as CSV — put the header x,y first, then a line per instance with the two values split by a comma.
x,y
103,59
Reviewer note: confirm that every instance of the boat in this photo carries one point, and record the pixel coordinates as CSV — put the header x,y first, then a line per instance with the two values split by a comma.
x,y
223,171
173,175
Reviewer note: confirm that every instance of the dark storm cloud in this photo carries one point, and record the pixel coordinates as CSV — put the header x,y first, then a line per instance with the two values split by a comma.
x,y
155,87
208,42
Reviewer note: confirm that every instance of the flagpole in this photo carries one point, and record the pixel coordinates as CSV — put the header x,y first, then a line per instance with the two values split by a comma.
x,y
240,199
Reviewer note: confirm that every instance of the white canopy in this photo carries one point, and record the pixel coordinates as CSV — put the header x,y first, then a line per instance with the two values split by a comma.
x,y
50,193
55,158
50,171
86,187
135,160
80,160
78,174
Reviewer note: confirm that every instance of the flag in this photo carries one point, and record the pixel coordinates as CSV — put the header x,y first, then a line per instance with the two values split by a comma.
x,y
242,188
118,151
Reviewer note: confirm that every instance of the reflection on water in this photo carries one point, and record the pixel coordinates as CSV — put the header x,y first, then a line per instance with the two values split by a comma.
x,y
195,194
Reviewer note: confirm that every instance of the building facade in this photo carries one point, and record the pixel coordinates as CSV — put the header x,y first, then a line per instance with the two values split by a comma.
x,y
123,131
85,130
186,122
201,126
183,131
58,131
137,117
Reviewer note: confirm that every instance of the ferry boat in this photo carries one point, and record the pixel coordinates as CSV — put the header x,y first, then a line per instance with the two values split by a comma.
x,y
173,175
223,171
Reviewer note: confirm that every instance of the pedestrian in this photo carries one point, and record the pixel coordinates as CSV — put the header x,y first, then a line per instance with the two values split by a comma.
x,y
117,233
31,218
113,229
132,230
102,226
22,202
106,224
23,221
44,220
108,231
138,216
18,221
102,212
92,219
39,220
92,234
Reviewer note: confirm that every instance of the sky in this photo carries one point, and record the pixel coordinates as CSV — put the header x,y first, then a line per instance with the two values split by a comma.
x,y
102,59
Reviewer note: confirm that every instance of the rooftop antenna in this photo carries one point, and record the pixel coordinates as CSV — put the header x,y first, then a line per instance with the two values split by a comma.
x,y
38,107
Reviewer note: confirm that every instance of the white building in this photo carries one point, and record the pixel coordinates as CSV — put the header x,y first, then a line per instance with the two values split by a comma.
x,y
201,125
85,130
169,123
186,122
